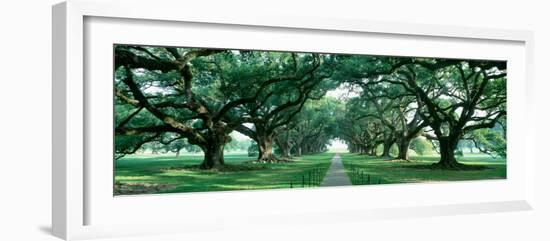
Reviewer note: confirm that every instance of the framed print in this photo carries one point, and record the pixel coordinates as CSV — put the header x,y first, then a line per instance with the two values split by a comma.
x,y
163,121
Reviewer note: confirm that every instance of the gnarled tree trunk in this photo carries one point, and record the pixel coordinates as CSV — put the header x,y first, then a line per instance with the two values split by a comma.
x,y
285,147
403,147
265,146
447,147
213,149
364,150
370,148
213,155
387,146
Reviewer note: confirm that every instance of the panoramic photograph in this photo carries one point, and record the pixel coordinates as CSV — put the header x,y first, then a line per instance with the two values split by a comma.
x,y
192,119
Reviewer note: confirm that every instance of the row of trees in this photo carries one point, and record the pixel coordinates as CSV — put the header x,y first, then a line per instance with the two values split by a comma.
x,y
202,95
177,146
444,100
165,95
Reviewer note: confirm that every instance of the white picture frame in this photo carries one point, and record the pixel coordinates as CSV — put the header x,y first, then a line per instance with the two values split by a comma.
x,y
75,201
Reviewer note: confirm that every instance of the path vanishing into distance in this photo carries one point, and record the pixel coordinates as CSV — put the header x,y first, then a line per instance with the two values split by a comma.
x,y
336,174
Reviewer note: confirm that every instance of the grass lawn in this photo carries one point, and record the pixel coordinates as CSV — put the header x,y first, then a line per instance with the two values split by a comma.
x,y
167,174
384,171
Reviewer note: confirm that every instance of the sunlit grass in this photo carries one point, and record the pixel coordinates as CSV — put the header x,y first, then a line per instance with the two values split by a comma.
x,y
182,175
417,170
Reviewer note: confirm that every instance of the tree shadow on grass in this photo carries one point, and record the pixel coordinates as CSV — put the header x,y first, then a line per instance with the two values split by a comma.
x,y
460,167
130,188
190,177
221,169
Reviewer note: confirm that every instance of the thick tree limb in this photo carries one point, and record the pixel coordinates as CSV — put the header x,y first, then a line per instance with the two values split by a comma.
x,y
144,102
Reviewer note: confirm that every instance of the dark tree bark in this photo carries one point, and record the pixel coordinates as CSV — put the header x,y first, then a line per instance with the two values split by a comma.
x,y
285,146
388,142
447,147
285,151
373,151
403,146
213,149
213,155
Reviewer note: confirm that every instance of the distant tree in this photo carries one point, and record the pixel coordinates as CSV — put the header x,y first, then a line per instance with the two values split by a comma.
x,y
490,141
237,145
362,130
278,109
421,146
253,149
176,146
315,126
466,144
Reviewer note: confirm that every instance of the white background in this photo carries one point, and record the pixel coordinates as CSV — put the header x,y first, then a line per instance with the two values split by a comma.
x,y
25,131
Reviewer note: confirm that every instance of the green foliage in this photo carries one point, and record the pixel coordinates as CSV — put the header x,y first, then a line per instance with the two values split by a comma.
x,y
490,141
238,145
253,149
173,99
421,146
394,150
315,125
193,148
